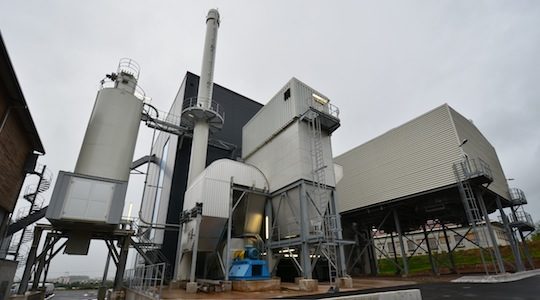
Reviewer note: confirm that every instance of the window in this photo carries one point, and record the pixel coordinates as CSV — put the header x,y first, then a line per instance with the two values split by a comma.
x,y
287,94
159,186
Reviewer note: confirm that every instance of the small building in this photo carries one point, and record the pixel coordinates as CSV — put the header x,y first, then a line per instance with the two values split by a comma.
x,y
20,146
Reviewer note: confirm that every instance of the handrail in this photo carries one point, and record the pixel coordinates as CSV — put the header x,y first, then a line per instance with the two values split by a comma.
x,y
327,108
129,66
193,102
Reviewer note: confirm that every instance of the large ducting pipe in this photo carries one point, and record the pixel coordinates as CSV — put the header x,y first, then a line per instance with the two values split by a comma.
x,y
204,106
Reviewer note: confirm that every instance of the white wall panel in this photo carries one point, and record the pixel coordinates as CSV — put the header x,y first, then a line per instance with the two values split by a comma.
x,y
409,159
478,146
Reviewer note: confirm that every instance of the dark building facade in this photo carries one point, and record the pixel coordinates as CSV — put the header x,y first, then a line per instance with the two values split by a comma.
x,y
20,146
166,182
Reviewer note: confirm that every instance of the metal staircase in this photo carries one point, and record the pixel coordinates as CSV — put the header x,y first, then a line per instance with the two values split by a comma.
x,y
149,251
321,197
472,211
33,194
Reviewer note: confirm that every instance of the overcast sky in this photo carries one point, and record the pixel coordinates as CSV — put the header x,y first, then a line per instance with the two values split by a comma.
x,y
381,62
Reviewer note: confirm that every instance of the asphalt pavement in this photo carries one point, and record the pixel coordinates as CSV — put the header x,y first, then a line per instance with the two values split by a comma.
x,y
525,289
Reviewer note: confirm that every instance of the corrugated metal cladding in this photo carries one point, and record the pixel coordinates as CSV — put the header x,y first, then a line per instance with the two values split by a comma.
x,y
287,157
290,102
414,157
212,186
478,146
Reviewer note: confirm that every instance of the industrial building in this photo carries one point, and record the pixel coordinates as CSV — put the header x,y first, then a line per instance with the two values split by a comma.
x,y
166,181
237,192
20,147
436,169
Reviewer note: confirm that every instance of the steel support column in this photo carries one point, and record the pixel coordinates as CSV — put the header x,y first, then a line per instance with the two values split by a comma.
x,y
195,249
523,241
341,249
121,267
401,245
268,232
449,249
30,261
304,233
305,259
511,236
41,262
398,270
430,256
496,250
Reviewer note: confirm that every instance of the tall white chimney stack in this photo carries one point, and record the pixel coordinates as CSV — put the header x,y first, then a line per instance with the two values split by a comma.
x,y
204,114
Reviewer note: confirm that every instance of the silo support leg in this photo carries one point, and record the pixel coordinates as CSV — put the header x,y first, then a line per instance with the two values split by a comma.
x,y
121,267
30,261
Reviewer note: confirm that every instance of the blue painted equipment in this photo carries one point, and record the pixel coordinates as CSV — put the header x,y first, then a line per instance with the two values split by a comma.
x,y
248,266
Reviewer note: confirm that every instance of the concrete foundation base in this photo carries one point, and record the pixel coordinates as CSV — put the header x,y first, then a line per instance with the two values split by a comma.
x,y
393,295
308,285
227,286
345,282
191,287
117,295
256,285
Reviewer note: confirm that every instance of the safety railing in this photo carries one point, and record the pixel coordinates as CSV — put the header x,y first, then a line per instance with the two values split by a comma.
x,y
522,217
199,103
474,167
146,279
517,196
129,66
327,107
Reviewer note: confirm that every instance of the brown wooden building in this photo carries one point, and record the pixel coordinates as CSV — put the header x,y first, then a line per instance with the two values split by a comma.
x,y
19,140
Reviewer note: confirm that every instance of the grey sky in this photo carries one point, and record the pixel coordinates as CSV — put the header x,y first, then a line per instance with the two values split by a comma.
x,y
382,63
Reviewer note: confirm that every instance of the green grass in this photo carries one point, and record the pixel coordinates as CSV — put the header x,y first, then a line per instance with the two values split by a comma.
x,y
465,260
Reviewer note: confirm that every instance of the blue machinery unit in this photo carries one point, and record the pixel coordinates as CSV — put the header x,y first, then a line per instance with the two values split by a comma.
x,y
248,266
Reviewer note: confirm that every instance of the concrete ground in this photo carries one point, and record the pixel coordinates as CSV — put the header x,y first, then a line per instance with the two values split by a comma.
x,y
431,288
288,290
